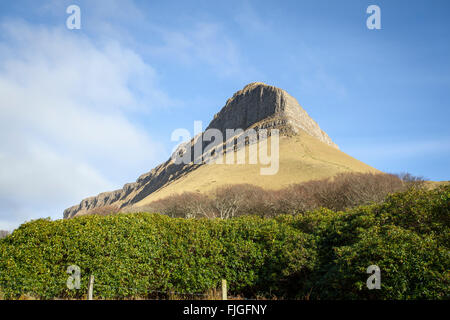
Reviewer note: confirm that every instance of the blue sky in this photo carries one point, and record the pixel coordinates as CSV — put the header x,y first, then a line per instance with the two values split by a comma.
x,y
85,111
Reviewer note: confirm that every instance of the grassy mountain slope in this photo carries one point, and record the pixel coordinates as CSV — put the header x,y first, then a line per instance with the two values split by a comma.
x,y
302,158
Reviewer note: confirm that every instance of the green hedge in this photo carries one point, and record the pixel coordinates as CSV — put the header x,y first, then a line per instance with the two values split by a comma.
x,y
319,255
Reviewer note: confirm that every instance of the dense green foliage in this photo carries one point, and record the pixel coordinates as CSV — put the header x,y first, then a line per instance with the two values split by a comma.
x,y
320,254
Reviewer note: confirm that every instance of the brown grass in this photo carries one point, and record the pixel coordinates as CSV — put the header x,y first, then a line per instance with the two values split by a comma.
x,y
302,158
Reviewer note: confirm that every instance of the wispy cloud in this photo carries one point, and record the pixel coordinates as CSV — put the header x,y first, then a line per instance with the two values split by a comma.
x,y
66,106
249,19
202,44
314,77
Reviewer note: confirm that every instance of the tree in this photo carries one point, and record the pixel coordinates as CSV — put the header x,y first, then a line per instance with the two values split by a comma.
x,y
3,234
184,205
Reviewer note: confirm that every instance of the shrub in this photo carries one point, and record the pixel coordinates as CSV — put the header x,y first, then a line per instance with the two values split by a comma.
x,y
151,252
321,254
406,236
413,266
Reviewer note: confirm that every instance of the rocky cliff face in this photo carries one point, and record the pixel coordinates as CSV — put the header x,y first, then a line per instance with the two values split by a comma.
x,y
258,102
256,106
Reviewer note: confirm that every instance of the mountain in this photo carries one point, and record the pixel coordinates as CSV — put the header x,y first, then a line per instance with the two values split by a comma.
x,y
306,152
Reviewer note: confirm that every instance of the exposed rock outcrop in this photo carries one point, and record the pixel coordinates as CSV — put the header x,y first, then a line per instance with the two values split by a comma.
x,y
256,106
258,102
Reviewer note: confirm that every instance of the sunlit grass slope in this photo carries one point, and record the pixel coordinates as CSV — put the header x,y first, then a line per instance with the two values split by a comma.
x,y
302,158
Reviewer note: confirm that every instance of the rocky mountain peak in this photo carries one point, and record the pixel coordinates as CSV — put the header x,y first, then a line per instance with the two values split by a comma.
x,y
270,107
256,106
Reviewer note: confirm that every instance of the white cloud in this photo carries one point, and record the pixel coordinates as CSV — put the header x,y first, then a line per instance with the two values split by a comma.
x,y
65,110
